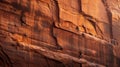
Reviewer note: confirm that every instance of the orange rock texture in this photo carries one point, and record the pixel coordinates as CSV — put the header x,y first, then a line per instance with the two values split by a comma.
x,y
59,33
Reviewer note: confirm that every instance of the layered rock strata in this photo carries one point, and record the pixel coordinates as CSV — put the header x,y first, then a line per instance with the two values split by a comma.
x,y
59,33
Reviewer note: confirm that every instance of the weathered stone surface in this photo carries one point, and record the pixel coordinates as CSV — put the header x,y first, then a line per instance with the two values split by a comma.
x,y
114,7
95,9
59,33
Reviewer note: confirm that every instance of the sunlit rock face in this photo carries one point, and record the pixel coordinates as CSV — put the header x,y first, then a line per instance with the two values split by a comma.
x,y
59,33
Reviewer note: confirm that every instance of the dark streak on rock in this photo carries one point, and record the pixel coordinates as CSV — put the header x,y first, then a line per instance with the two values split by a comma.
x,y
80,6
46,24
57,10
96,27
3,1
109,14
5,58
69,64
48,65
20,7
53,35
54,8
22,18
84,28
39,13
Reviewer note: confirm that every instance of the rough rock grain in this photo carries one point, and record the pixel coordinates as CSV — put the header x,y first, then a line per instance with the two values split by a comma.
x,y
59,33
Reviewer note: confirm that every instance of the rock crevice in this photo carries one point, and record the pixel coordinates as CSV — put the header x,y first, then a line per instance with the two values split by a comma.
x,y
59,33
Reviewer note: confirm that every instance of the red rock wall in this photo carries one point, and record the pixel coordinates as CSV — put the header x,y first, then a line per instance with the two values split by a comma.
x,y
59,33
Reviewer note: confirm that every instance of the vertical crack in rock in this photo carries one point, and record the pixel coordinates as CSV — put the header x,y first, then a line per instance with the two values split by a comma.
x,y
57,10
5,58
21,8
22,18
84,28
92,20
96,27
80,6
53,35
54,8
109,14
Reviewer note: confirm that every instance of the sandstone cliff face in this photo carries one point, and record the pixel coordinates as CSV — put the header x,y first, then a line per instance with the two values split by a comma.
x,y
59,33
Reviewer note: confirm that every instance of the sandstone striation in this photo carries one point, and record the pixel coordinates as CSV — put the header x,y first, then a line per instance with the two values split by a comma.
x,y
59,33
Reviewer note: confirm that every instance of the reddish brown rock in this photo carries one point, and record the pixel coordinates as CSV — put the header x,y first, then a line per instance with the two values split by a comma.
x,y
59,33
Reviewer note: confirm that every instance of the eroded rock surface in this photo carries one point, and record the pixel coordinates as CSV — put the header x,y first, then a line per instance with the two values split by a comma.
x,y
59,33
